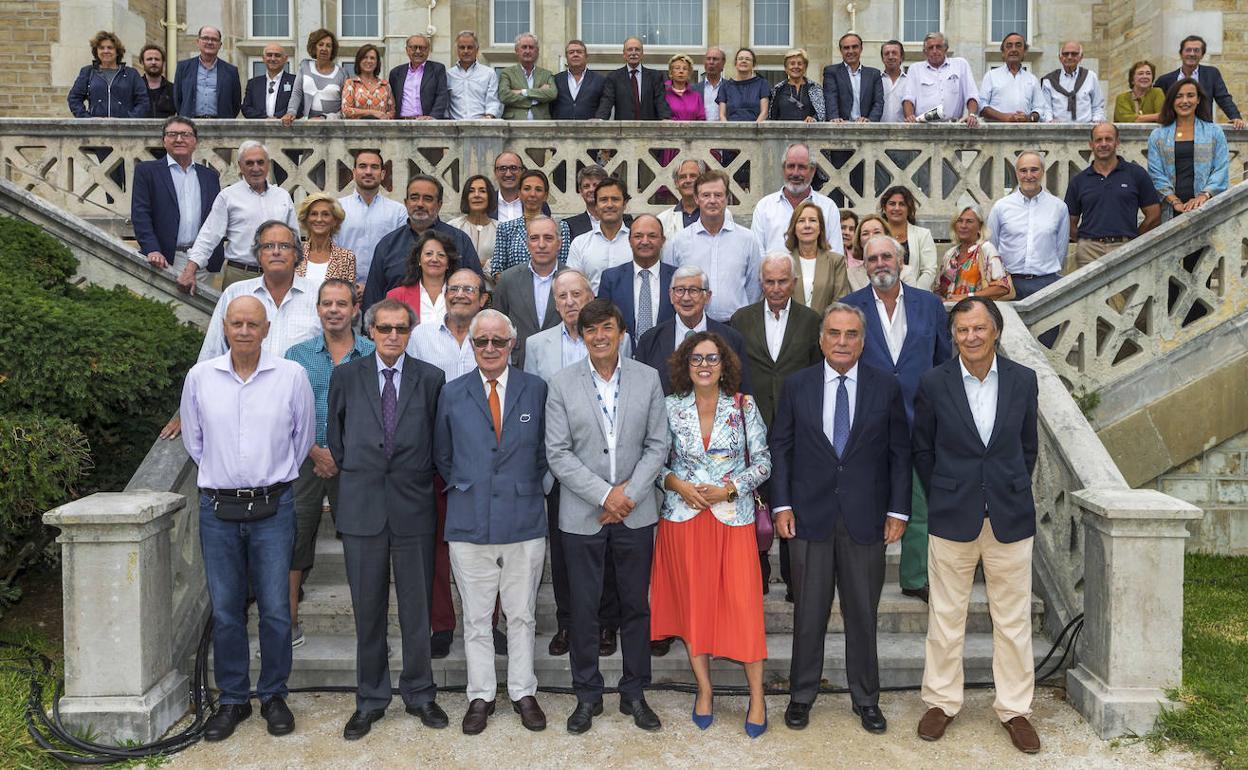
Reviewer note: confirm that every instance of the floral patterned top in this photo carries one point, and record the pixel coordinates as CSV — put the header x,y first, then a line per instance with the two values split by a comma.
x,y
981,268
357,95
722,460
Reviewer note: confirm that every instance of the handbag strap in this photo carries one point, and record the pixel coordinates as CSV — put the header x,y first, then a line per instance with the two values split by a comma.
x,y
740,399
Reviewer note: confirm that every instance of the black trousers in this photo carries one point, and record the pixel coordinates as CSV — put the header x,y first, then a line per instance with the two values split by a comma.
x,y
609,609
632,551
819,568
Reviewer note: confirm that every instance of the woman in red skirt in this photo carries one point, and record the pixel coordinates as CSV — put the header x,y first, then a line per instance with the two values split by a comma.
x,y
706,584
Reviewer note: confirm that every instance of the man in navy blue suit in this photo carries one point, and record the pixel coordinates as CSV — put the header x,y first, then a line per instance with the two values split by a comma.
x,y
1191,51
851,91
906,335
640,289
268,95
205,86
429,97
170,199
840,491
583,104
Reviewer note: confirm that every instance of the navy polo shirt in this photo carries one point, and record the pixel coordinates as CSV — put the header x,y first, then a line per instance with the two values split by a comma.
x,y
1108,206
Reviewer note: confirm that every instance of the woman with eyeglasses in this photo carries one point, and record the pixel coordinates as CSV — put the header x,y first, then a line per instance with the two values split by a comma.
x,y
367,95
320,216
746,97
706,584
318,82
433,260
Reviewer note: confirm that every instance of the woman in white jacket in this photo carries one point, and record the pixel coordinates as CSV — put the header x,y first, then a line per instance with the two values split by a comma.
x,y
898,206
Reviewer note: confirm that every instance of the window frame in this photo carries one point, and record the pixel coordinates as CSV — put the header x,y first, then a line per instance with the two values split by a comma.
x,y
665,48
496,43
254,61
771,46
1031,7
360,40
290,23
901,22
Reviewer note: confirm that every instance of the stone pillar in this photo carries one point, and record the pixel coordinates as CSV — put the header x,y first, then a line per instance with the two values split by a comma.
x,y
1131,648
121,681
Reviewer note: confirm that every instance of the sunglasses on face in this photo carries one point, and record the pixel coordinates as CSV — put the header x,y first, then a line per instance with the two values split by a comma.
x,y
481,343
385,330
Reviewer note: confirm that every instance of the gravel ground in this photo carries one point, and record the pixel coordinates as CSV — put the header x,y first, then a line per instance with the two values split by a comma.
x,y
974,740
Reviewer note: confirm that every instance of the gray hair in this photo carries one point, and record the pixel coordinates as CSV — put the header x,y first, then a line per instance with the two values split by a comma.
x,y
544,218
592,170
487,314
471,34
777,256
701,167
1039,156
370,315
841,307
249,145
692,271
572,272
892,242
1071,42
791,147
936,36
265,225
523,35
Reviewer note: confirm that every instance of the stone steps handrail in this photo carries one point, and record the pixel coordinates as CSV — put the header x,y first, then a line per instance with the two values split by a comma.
x,y
76,163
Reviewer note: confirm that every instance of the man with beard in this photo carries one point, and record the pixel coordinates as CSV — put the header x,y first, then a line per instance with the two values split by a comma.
x,y
159,90
773,212
370,214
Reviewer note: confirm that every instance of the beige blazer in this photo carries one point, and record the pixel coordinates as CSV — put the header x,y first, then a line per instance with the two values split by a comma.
x,y
831,281
924,266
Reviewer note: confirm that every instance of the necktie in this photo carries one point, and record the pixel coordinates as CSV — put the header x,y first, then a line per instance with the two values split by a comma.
x,y
496,411
840,421
389,412
645,307
636,93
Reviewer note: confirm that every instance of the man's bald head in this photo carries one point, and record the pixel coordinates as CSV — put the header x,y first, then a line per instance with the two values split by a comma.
x,y
246,325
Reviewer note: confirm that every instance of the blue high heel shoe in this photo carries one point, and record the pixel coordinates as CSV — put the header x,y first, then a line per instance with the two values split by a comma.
x,y
703,721
754,730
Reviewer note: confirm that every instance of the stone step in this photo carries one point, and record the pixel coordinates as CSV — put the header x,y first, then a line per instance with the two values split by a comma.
x,y
329,660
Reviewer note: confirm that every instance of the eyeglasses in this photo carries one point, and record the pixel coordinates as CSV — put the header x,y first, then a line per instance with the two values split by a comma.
x,y
207,39
178,134
276,246
710,359
687,291
508,169
481,343
385,330
462,288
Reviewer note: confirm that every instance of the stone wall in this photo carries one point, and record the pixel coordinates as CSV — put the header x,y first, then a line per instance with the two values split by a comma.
x,y
1217,482
30,27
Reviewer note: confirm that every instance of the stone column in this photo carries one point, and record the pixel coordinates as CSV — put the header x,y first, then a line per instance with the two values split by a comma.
x,y
1131,648
121,681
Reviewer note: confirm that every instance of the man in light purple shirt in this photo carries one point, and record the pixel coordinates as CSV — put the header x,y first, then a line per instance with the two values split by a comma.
x,y
248,420
420,87
941,82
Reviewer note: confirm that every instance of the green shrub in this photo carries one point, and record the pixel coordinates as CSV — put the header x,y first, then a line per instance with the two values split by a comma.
x,y
26,251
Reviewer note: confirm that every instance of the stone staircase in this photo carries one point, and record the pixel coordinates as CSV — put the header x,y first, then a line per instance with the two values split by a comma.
x,y
327,657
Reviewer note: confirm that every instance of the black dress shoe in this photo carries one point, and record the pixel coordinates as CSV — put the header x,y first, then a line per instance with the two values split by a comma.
x,y
606,642
277,714
477,716
643,716
873,720
431,715
922,592
583,717
360,723
661,647
500,643
221,724
440,644
797,715
559,643
788,596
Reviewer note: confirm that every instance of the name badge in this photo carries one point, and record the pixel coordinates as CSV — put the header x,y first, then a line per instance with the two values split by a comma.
x,y
286,87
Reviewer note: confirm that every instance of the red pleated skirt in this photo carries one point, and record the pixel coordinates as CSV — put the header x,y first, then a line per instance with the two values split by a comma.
x,y
706,587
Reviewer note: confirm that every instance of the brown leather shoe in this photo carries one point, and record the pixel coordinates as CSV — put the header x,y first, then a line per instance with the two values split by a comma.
x,y
477,716
932,725
531,715
1023,735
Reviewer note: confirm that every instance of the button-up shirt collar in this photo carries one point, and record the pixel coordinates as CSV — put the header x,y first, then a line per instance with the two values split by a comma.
x,y
654,269
412,107
314,356
574,83
474,91
1030,234
895,327
855,85
981,396
894,93
436,344
235,215
593,252
683,331
365,225
272,89
508,211
1009,92
730,258
608,392
500,384
381,368
710,96
771,218
1089,101
952,85
186,186
542,285
571,349
830,384
774,325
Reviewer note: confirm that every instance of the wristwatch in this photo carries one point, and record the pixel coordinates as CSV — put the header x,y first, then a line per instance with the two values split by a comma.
x,y
732,494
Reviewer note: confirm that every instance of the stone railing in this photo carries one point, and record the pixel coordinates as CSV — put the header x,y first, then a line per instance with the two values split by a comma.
x,y
83,165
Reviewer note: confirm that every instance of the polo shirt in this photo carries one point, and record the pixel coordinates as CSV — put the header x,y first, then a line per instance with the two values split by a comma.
x,y
1108,206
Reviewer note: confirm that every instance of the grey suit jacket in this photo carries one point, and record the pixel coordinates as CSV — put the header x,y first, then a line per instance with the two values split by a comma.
x,y
513,297
576,445
543,354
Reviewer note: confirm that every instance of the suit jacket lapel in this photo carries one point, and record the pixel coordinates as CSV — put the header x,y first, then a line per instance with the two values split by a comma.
x,y
874,328
591,397
911,303
515,389
957,394
478,397
666,310
368,381
815,399
724,407
166,176
407,383
1005,386
821,278
860,401
625,296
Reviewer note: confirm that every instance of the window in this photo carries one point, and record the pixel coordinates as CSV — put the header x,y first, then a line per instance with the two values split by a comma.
x,y
918,17
1008,16
270,18
511,17
348,66
669,23
257,66
359,18
772,23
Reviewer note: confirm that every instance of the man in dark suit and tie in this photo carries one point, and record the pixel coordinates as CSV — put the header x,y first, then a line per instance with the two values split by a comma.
x,y
634,92
907,334
579,89
267,96
161,191
641,289
851,91
420,87
381,418
523,292
840,491
975,445
205,86
1191,51
689,294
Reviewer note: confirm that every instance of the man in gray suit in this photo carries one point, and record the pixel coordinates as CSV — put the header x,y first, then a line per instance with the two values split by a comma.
x,y
606,442
523,293
381,415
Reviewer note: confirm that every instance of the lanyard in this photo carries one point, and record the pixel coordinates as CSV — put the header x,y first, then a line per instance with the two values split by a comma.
x,y
615,403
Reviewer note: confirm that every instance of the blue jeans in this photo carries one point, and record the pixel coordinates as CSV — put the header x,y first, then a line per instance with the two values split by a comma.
x,y
233,553
1025,287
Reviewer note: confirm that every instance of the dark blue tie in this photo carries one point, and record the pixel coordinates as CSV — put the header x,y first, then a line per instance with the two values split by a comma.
x,y
840,420
389,412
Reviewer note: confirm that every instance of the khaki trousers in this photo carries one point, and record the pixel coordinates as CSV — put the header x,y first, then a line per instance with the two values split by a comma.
x,y
1007,572
231,274
1088,251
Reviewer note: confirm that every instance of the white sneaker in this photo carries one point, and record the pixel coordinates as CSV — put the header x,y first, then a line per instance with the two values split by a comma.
x,y
296,638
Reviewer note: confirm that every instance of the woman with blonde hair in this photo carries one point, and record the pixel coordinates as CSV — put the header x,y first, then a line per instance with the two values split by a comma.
x,y
320,217
972,267
684,97
796,97
819,272
869,226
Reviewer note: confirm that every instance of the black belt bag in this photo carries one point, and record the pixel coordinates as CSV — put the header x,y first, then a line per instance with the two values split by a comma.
x,y
246,505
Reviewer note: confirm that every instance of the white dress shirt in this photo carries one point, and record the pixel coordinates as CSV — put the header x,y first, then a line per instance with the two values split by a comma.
x,y
894,92
432,310
683,331
855,85
474,91
295,321
772,214
710,96
500,385
593,252
1089,101
981,396
236,213
1030,234
952,84
730,259
365,225
186,186
571,349
808,277
435,344
542,284
509,211
1009,92
272,87
774,325
895,327
654,269
607,411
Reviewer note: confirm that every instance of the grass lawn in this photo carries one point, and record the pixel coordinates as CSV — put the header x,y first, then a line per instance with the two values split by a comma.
x,y
16,748
1215,662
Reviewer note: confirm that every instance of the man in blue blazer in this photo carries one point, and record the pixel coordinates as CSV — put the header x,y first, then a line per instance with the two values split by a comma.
x,y
1191,51
838,86
435,92
975,445
206,86
275,82
917,338
840,491
620,284
489,444
584,105
164,231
